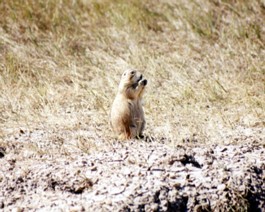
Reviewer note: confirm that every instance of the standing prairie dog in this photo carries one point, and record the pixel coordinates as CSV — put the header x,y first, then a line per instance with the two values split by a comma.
x,y
127,115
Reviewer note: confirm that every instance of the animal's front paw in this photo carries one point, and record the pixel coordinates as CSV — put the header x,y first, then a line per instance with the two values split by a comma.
x,y
143,82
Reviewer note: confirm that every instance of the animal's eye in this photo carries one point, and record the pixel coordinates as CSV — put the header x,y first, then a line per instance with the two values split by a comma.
x,y
132,72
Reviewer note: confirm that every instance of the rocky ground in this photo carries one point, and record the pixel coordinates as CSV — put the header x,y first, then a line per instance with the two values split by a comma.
x,y
133,176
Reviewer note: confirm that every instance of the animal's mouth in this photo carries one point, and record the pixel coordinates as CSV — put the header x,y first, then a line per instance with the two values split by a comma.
x,y
140,78
137,82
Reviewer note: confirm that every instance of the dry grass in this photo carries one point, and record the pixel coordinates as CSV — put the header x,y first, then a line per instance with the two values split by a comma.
x,y
60,63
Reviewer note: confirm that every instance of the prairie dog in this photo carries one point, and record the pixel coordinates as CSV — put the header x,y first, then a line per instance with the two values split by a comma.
x,y
127,114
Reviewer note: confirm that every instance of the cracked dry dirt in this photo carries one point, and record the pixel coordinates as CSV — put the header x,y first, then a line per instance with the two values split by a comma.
x,y
134,176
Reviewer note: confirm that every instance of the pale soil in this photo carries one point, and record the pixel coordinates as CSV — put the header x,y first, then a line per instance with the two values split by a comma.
x,y
130,176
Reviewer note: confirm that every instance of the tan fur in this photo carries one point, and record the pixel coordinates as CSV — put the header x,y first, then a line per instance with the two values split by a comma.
x,y
127,115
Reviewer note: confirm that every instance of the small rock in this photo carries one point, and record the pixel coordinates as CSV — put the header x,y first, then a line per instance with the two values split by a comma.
x,y
221,187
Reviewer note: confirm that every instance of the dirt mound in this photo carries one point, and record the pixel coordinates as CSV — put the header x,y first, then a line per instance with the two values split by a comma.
x,y
137,176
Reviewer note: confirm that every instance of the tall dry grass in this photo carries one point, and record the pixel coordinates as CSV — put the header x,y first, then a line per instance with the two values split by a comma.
x,y
60,63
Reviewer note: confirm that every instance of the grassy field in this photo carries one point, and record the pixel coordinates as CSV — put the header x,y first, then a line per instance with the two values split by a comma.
x,y
61,61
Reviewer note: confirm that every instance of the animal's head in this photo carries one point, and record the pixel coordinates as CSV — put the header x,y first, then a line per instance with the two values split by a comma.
x,y
130,78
